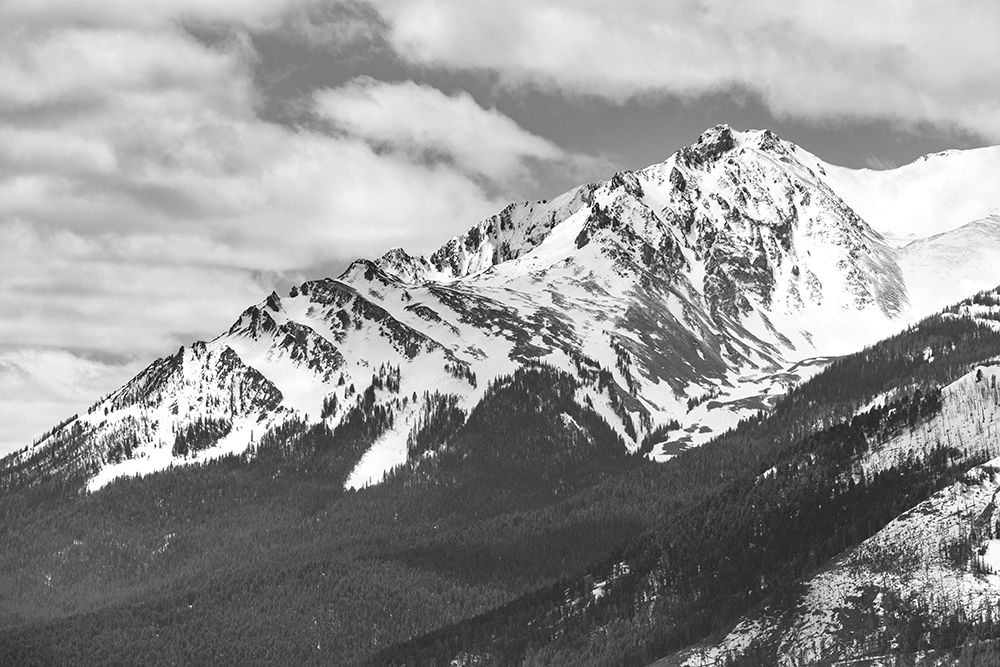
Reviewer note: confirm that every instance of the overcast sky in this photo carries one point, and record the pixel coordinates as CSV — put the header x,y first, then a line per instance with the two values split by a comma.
x,y
165,164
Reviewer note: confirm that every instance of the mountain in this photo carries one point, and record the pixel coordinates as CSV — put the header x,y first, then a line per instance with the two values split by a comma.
x,y
519,386
684,296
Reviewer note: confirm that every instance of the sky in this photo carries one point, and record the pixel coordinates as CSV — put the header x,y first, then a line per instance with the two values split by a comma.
x,y
164,165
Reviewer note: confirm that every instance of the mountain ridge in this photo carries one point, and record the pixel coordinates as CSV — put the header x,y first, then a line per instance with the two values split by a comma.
x,y
694,283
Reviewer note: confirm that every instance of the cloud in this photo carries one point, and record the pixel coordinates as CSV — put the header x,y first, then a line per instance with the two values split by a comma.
x,y
48,13
875,162
86,65
190,163
908,61
36,383
421,119
64,290
348,27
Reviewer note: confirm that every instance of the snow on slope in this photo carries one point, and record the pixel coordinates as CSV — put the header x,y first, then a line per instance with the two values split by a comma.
x,y
906,564
386,453
704,286
152,458
969,420
934,194
959,262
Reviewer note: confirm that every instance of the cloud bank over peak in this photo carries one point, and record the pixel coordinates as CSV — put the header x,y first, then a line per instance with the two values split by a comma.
x,y
911,62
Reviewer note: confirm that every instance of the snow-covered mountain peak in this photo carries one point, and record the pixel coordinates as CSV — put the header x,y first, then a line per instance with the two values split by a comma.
x,y
710,146
692,291
761,227
404,266
722,141
382,270
738,178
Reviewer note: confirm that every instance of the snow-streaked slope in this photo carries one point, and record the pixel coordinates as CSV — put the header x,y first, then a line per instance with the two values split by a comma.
x,y
959,262
932,195
904,566
698,290
911,563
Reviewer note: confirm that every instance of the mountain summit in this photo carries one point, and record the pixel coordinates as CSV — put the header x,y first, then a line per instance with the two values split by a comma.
x,y
684,296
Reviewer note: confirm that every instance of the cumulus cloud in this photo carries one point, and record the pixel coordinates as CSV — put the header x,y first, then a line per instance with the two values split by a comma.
x,y
908,61
422,119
